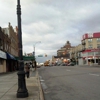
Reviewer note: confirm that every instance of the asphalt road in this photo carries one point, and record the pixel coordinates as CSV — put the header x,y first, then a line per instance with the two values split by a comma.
x,y
70,82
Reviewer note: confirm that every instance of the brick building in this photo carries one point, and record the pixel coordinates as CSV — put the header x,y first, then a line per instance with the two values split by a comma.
x,y
8,49
13,35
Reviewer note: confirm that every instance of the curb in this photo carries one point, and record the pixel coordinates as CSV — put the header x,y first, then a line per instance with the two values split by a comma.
x,y
40,88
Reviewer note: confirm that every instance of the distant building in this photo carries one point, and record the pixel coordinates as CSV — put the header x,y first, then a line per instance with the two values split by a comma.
x,y
63,53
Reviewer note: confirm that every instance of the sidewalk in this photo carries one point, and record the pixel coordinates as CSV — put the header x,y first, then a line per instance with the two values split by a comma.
x,y
9,86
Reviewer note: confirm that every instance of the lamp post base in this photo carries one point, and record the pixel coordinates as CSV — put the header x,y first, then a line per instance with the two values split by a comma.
x,y
22,95
22,92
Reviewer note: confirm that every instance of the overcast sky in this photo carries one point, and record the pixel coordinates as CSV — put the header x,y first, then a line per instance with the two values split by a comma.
x,y
53,22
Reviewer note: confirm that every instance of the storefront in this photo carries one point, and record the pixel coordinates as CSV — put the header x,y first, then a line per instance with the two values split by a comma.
x,y
11,63
2,62
91,57
91,60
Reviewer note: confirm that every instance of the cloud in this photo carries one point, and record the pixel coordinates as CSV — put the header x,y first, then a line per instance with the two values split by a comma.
x,y
53,22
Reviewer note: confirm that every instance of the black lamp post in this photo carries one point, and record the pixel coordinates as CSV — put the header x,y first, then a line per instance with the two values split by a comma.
x,y
22,91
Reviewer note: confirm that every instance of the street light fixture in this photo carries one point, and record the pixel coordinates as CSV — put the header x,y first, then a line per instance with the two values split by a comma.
x,y
22,91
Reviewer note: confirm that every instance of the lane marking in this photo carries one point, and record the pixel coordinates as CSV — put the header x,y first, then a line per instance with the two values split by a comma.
x,y
68,70
94,74
41,80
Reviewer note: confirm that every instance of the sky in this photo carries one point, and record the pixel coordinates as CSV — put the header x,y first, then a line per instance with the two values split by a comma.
x,y
48,24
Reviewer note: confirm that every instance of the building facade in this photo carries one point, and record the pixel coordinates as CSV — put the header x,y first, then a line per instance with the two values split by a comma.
x,y
2,53
91,48
88,52
65,49
63,54
8,49
13,35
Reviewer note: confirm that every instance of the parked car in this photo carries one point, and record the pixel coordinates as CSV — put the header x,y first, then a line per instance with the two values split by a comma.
x,y
50,64
71,64
63,64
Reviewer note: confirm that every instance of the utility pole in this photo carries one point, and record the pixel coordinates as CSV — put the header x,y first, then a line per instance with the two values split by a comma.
x,y
22,91
34,46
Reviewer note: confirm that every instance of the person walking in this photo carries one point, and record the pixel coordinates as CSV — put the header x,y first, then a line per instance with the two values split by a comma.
x,y
27,70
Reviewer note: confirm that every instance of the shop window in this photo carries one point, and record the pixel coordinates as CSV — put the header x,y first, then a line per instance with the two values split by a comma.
x,y
1,62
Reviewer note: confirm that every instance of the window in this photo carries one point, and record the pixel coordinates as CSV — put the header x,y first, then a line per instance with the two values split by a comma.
x,y
90,46
98,39
89,40
98,46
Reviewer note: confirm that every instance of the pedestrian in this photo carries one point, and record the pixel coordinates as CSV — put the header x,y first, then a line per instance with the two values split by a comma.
x,y
30,66
35,65
27,70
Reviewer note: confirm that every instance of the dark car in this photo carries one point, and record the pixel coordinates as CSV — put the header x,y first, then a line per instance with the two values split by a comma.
x,y
71,64
63,64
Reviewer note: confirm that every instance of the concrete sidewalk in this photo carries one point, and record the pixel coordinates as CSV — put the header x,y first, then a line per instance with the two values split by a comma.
x,y
9,86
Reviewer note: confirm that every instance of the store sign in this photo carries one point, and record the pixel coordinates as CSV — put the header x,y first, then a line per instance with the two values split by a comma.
x,y
3,55
90,35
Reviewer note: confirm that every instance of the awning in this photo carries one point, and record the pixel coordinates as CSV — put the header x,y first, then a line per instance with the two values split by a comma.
x,y
9,56
3,55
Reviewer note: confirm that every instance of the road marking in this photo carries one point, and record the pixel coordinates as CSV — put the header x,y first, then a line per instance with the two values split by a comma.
x,y
41,80
93,74
68,70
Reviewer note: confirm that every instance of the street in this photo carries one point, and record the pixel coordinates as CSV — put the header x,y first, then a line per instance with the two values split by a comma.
x,y
70,82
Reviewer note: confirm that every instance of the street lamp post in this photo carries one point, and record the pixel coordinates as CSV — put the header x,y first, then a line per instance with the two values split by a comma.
x,y
34,47
22,91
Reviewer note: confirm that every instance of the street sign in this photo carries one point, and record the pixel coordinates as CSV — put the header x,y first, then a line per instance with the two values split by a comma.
x,y
40,55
